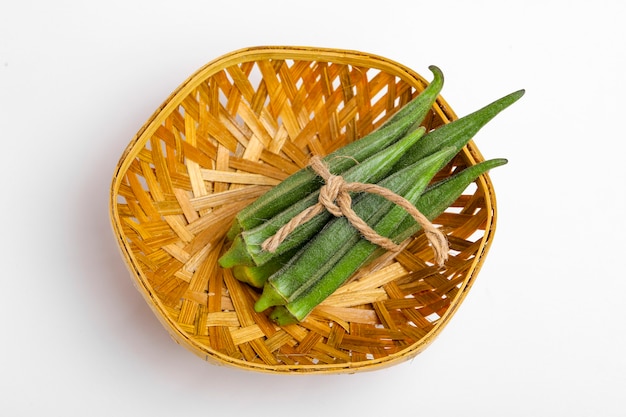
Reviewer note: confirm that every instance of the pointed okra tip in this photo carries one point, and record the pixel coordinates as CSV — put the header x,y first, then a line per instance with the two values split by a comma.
x,y
519,93
512,97
437,73
496,162
503,102
485,166
437,76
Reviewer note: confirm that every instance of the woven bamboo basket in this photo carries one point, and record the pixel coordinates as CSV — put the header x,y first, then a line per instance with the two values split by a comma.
x,y
237,127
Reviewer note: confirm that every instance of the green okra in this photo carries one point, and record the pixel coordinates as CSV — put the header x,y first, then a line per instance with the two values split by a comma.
x,y
298,185
431,203
317,257
463,128
457,134
439,196
246,248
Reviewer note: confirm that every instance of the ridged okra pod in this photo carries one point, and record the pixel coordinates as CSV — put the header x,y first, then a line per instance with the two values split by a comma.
x,y
331,244
431,203
298,185
455,134
246,248
463,128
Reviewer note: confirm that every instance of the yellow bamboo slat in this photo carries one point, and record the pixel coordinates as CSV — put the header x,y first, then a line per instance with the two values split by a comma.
x,y
230,132
225,197
237,177
246,334
225,318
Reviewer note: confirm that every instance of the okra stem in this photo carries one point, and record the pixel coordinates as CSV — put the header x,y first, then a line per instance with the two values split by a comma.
x,y
257,276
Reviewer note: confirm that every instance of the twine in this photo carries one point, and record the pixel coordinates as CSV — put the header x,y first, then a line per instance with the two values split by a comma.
x,y
335,198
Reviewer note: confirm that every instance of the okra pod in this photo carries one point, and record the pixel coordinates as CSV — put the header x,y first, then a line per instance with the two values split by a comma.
x,y
439,196
298,185
431,203
330,245
246,248
463,128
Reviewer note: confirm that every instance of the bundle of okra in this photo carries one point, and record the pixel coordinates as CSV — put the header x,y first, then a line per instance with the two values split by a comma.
x,y
323,253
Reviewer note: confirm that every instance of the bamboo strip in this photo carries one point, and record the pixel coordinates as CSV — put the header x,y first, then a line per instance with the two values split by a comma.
x,y
347,314
222,318
277,340
237,177
246,334
230,196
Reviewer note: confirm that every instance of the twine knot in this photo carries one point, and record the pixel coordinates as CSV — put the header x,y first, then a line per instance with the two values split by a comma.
x,y
334,196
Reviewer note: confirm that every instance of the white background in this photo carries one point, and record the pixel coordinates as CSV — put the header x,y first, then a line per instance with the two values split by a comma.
x,y
542,330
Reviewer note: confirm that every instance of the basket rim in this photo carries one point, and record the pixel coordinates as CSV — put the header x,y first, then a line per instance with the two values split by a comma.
x,y
255,53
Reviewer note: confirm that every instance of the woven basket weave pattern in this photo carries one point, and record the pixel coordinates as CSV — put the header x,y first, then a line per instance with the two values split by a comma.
x,y
239,126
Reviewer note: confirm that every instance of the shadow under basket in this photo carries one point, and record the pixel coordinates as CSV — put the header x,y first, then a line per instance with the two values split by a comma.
x,y
237,127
